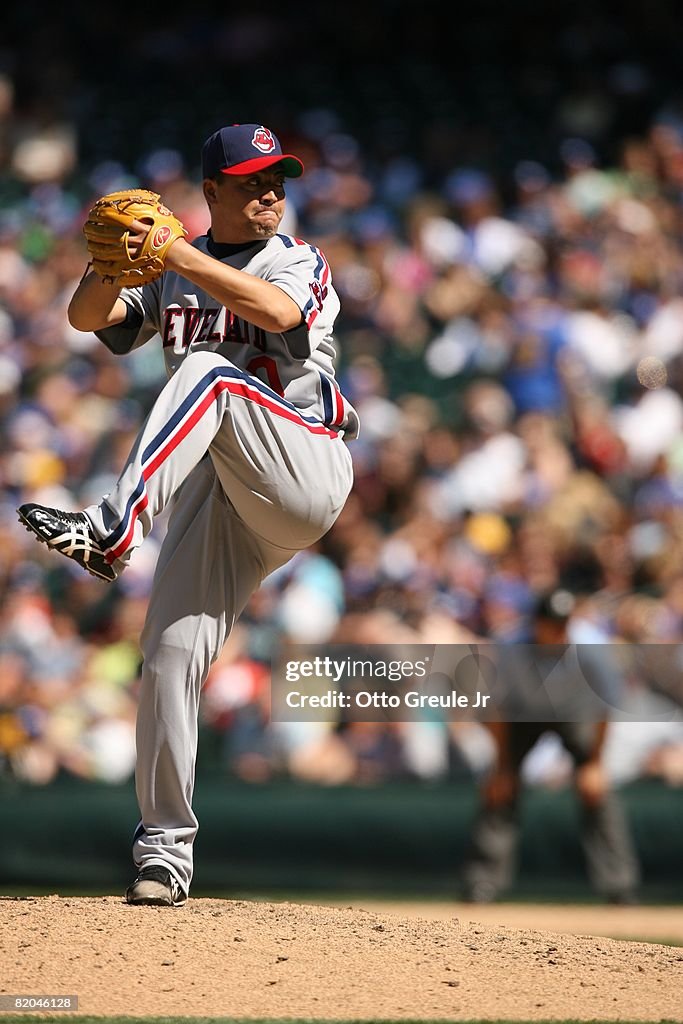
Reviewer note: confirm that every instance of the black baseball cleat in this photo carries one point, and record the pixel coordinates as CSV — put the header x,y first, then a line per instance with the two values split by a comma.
x,y
71,534
155,886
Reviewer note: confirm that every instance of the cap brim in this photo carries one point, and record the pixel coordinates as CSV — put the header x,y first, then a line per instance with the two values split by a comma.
x,y
291,165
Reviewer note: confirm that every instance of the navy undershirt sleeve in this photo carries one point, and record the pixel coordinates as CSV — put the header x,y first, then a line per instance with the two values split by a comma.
x,y
120,338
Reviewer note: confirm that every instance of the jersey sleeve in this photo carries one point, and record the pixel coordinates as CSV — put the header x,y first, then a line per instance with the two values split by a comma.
x,y
304,274
141,323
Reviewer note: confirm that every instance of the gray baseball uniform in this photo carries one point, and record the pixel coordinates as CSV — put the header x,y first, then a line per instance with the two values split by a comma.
x,y
247,439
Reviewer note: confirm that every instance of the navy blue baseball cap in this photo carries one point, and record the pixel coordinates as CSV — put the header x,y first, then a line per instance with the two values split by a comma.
x,y
243,149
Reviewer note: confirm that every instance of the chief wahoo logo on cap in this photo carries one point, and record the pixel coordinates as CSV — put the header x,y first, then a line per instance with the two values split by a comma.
x,y
263,140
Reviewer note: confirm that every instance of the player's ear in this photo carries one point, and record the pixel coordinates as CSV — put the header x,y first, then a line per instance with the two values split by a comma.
x,y
210,191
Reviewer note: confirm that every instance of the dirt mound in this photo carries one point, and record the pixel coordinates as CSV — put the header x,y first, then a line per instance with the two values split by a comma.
x,y
644,923
243,959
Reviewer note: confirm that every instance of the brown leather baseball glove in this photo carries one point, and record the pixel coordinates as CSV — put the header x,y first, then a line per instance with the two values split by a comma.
x,y
109,226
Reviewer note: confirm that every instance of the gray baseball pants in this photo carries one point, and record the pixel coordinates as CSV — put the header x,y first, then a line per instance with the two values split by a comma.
x,y
252,482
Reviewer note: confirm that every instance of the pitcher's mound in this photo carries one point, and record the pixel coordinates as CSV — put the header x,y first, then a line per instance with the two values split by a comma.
x,y
242,959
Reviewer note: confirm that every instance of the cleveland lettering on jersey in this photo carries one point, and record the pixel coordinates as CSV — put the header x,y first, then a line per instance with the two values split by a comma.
x,y
189,326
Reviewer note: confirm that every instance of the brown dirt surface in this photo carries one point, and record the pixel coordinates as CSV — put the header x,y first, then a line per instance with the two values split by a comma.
x,y
235,958
646,923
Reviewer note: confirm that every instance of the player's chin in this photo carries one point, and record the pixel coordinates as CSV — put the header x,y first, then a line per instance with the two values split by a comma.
x,y
266,224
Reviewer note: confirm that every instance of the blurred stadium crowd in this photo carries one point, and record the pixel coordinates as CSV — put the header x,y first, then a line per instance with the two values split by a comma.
x,y
500,280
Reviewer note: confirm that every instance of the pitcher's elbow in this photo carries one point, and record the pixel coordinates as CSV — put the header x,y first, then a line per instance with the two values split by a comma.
x,y
77,320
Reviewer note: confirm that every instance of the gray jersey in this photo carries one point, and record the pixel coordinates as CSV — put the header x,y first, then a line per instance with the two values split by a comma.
x,y
297,365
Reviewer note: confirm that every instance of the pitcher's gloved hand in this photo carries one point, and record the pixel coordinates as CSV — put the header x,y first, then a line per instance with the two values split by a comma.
x,y
119,250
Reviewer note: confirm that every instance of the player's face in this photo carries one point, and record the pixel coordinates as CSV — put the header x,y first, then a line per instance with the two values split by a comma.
x,y
246,207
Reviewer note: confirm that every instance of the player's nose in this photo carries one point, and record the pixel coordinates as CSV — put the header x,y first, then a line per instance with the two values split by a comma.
x,y
273,194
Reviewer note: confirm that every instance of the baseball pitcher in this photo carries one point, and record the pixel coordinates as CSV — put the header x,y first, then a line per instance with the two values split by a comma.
x,y
246,440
